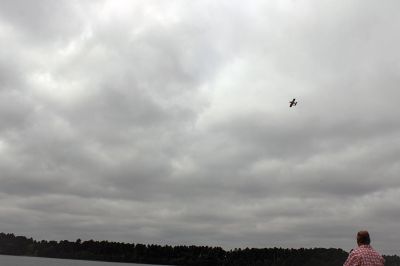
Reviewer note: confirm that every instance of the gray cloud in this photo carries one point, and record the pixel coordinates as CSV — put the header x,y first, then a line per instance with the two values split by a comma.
x,y
169,123
44,20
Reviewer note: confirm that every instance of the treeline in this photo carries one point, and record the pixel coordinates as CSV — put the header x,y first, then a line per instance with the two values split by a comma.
x,y
174,255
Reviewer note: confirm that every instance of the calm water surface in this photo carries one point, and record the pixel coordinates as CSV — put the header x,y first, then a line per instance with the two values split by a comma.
x,y
34,261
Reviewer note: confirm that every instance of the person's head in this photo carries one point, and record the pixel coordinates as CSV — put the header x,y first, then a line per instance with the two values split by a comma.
x,y
363,238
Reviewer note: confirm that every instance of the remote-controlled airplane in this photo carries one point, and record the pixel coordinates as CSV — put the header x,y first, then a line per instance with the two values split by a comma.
x,y
293,102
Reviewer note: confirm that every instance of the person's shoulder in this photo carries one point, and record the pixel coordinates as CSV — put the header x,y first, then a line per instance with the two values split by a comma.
x,y
355,251
353,259
374,251
377,253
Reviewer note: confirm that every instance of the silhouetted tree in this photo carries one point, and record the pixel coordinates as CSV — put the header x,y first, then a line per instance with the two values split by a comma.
x,y
178,255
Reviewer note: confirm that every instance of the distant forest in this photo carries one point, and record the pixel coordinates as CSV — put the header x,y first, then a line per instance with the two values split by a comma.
x,y
174,255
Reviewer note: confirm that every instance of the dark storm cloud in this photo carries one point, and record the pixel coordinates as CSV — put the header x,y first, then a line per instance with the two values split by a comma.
x,y
169,123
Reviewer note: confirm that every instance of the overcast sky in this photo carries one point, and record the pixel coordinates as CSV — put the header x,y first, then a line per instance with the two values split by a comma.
x,y
168,122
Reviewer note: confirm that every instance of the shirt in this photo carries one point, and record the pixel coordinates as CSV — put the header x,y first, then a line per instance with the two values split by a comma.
x,y
364,255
